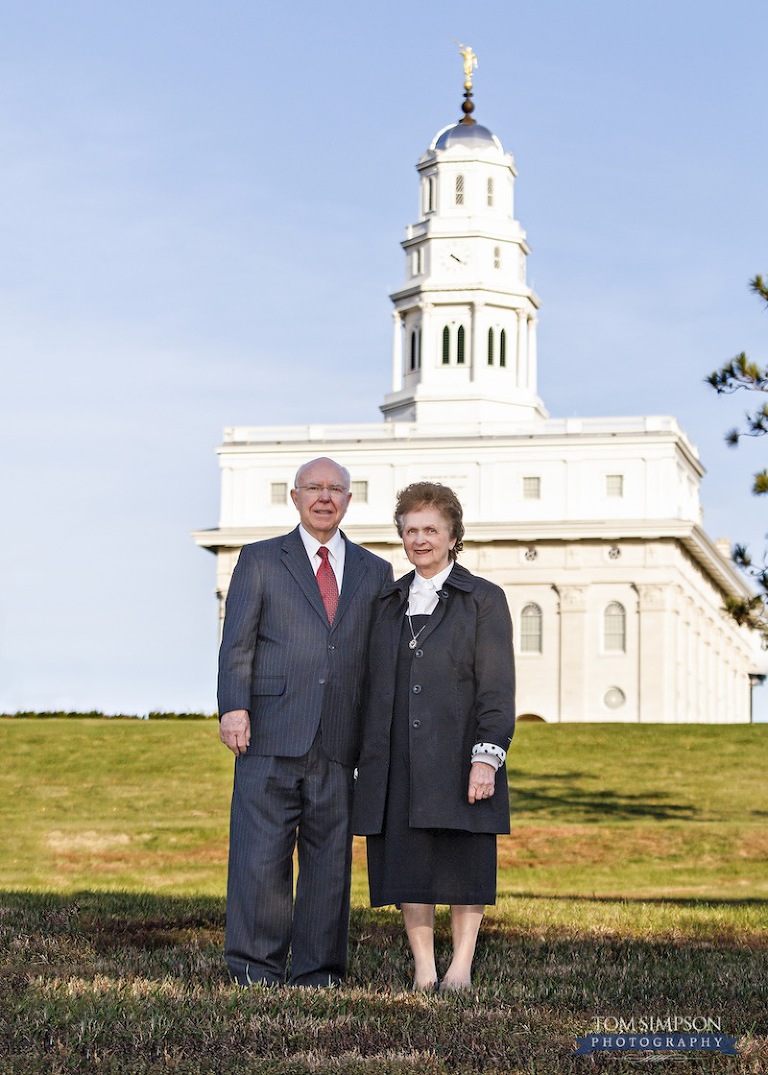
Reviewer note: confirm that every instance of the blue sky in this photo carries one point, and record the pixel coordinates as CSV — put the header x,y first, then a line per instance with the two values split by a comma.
x,y
201,204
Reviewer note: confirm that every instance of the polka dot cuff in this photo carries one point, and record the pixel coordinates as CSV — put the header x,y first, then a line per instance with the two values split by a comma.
x,y
489,753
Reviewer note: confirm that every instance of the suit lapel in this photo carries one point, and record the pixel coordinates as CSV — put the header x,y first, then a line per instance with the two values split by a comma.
x,y
297,562
354,572
398,595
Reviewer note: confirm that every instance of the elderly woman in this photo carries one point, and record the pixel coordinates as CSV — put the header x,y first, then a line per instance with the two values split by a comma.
x,y
431,791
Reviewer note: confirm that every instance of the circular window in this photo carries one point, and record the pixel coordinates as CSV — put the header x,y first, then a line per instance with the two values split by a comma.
x,y
614,698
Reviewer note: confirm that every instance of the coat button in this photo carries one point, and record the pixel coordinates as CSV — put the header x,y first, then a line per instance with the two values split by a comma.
x,y
417,689
322,682
417,724
419,653
331,647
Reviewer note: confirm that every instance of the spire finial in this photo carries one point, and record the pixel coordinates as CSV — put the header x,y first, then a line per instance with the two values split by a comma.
x,y
470,64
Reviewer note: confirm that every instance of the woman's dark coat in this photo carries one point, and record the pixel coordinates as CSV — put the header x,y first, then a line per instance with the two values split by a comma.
x,y
462,692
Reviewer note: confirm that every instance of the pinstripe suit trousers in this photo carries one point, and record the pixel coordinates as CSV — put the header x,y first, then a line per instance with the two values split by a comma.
x,y
279,803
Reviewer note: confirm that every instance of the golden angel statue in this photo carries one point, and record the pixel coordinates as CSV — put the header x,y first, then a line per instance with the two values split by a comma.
x,y
470,61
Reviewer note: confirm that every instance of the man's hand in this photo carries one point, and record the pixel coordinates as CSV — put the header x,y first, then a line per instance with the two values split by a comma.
x,y
235,730
482,781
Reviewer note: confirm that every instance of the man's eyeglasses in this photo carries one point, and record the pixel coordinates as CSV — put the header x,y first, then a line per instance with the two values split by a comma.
x,y
315,490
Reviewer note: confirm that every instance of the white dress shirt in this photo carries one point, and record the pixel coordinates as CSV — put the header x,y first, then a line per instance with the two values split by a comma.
x,y
422,593
336,553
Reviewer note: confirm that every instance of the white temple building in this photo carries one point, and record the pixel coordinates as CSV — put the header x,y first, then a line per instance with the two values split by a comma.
x,y
592,526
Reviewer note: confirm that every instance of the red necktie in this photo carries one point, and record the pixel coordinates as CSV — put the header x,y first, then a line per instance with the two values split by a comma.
x,y
326,580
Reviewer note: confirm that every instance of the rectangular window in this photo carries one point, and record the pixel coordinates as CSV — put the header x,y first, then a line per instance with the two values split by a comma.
x,y
490,192
531,488
497,257
359,492
614,485
278,492
459,189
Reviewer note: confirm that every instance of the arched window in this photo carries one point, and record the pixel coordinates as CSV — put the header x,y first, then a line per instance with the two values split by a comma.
x,y
459,189
414,347
460,346
489,190
615,628
431,194
530,629
490,346
503,348
446,345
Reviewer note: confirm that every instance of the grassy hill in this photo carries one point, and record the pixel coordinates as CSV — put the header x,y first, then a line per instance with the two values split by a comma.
x,y
609,810
633,884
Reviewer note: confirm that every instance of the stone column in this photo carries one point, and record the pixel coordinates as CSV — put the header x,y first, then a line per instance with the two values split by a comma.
x,y
226,558
475,318
427,352
657,657
222,603
521,370
531,380
573,652
397,351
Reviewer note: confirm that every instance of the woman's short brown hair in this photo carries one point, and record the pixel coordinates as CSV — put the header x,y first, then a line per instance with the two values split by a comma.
x,y
432,495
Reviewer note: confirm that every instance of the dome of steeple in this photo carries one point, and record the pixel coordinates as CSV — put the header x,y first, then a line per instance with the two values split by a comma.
x,y
466,136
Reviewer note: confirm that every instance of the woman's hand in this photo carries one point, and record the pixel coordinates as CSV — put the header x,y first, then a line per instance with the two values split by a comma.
x,y
482,781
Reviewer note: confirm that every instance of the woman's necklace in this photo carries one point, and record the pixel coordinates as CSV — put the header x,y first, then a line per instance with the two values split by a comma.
x,y
412,644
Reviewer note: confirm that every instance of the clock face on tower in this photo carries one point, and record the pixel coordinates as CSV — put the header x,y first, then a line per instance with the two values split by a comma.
x,y
454,257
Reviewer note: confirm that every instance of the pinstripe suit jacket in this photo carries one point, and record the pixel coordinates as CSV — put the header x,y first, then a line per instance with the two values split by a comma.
x,y
282,661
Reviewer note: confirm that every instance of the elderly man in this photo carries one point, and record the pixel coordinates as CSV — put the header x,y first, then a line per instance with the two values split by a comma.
x,y
290,677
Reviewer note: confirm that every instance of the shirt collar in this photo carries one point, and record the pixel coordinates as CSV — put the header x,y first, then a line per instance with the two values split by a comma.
x,y
422,585
335,545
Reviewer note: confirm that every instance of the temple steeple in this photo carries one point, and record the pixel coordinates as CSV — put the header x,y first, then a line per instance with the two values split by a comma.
x,y
465,320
